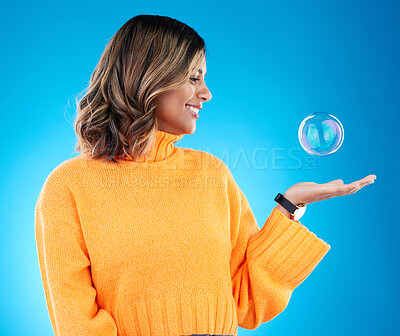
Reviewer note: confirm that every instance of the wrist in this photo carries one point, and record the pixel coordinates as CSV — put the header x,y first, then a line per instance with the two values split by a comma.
x,y
290,198
284,211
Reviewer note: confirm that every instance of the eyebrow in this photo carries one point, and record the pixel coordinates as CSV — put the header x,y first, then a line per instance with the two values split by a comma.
x,y
201,71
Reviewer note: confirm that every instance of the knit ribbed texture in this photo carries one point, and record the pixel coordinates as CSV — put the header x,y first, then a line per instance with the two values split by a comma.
x,y
166,246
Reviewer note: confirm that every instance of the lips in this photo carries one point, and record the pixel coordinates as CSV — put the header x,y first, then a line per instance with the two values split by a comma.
x,y
196,106
194,114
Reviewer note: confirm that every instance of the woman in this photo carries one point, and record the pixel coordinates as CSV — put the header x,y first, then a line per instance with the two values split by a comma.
x,y
137,236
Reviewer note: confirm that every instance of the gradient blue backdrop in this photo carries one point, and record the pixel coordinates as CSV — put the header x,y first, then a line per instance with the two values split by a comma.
x,y
270,64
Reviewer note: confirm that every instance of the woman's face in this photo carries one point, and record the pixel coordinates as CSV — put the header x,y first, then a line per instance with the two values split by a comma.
x,y
173,116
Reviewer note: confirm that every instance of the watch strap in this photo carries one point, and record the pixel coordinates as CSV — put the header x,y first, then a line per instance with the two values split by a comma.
x,y
289,206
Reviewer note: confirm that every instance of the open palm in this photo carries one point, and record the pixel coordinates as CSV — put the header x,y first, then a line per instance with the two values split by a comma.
x,y
310,192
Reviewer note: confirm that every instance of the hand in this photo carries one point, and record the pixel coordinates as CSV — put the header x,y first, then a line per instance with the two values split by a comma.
x,y
310,192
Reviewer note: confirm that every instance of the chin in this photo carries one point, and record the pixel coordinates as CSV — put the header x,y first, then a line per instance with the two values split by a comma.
x,y
192,130
189,129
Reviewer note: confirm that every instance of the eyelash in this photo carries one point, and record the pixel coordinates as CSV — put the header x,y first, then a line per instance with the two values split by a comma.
x,y
194,79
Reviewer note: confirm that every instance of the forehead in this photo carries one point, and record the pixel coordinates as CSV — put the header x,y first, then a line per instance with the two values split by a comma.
x,y
201,66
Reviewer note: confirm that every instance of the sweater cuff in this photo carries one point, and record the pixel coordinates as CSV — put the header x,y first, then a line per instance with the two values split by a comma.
x,y
288,250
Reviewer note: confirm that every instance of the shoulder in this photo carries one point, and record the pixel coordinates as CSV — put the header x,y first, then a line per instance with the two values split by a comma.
x,y
218,168
57,197
60,182
66,171
205,160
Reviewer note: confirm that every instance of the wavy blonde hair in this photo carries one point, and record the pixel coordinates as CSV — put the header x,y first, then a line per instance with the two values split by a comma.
x,y
147,57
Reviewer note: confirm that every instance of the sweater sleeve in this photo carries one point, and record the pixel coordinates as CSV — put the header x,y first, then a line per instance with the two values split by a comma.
x,y
65,266
267,264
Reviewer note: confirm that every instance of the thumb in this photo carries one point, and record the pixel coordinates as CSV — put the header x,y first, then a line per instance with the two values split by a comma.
x,y
339,181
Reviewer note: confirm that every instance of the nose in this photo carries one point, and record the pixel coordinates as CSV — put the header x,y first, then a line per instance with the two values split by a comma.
x,y
204,93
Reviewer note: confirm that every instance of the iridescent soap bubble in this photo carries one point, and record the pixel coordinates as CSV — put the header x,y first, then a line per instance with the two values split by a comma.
x,y
321,134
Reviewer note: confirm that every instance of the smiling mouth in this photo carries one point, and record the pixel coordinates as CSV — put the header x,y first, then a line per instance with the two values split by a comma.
x,y
194,114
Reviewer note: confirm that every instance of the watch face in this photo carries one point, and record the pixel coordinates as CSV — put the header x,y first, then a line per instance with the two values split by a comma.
x,y
299,212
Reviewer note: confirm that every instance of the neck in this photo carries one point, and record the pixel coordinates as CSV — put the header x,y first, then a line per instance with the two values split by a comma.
x,y
163,147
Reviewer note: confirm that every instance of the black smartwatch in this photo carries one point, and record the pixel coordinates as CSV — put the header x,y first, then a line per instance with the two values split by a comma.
x,y
297,211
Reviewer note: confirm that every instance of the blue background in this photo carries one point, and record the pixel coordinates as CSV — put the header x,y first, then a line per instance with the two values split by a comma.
x,y
270,64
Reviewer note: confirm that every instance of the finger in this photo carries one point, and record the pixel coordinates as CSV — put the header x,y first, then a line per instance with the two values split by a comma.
x,y
365,181
337,188
355,186
367,178
345,189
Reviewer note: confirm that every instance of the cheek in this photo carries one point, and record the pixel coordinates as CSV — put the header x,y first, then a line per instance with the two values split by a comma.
x,y
169,102
187,92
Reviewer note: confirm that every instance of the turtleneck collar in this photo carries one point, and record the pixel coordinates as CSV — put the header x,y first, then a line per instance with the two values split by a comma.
x,y
163,147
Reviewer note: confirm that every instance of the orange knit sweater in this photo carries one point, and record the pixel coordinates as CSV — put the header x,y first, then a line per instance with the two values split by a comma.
x,y
165,246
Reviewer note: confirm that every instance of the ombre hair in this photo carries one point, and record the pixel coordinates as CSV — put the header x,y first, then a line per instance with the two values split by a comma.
x,y
147,57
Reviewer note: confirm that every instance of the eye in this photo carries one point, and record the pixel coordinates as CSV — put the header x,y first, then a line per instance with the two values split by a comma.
x,y
194,79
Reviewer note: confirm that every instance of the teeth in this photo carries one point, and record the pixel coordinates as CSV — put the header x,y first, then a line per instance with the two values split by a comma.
x,y
192,108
